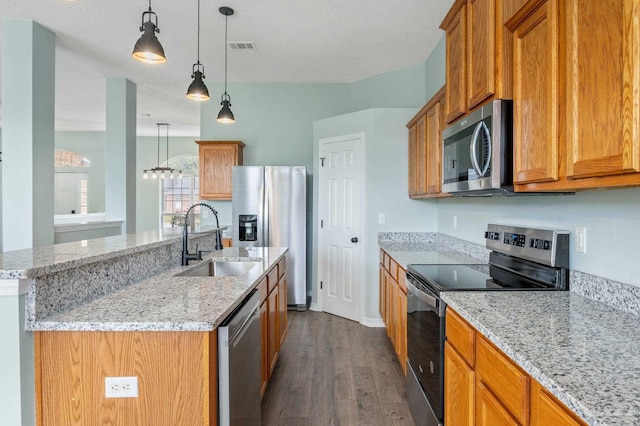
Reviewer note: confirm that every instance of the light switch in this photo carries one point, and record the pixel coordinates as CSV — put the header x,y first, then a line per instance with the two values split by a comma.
x,y
580,239
381,219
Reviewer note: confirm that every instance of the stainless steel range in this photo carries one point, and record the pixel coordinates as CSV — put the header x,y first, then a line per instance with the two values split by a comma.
x,y
521,259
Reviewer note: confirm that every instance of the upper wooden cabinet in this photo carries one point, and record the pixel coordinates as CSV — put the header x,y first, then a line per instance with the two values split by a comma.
x,y
425,149
576,79
478,55
216,161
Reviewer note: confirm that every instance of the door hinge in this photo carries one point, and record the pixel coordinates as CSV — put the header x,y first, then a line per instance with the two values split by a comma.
x,y
322,161
320,285
322,224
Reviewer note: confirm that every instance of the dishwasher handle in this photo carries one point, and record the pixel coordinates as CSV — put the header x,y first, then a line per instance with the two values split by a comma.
x,y
246,323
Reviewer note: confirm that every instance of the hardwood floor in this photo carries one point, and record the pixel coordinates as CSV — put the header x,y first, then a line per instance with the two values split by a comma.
x,y
333,371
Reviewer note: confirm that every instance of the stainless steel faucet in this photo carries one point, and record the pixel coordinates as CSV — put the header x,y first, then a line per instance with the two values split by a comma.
x,y
186,256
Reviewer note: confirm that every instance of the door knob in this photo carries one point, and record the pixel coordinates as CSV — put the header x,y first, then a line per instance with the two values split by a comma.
x,y
354,240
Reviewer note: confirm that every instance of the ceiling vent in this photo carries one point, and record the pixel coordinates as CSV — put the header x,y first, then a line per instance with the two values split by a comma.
x,y
242,45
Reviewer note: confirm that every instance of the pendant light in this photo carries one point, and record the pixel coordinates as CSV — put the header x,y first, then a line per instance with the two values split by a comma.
x,y
158,171
197,89
148,49
225,115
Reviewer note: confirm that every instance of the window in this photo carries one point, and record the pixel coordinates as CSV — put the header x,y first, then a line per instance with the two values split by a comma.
x,y
64,158
180,194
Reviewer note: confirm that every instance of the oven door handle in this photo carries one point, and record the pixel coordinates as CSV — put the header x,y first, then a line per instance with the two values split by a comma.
x,y
425,297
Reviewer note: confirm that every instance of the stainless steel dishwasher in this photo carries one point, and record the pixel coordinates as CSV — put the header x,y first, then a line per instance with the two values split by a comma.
x,y
239,374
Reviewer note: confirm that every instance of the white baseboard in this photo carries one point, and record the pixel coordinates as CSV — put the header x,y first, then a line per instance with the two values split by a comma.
x,y
373,322
314,307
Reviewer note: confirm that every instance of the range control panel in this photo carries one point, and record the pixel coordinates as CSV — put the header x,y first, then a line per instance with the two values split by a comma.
x,y
547,246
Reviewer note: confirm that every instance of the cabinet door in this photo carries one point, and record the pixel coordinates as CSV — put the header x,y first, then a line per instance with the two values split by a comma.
x,y
602,113
272,332
489,411
547,410
383,293
481,48
216,162
264,346
459,395
433,160
413,163
535,73
421,156
282,308
392,308
401,332
455,25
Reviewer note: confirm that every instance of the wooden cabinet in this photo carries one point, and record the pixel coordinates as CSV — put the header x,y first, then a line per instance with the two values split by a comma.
x,y
455,25
425,149
393,305
459,365
576,115
547,410
478,55
216,161
484,387
177,377
227,242
273,314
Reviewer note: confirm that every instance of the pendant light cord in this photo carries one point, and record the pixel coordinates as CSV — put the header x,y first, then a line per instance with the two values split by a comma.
x,y
198,32
158,144
226,18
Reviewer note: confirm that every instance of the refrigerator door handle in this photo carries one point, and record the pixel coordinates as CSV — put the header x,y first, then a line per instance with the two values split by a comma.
x,y
265,221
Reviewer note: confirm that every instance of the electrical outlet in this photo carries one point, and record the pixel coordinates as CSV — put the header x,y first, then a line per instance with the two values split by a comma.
x,y
121,387
455,222
580,239
381,219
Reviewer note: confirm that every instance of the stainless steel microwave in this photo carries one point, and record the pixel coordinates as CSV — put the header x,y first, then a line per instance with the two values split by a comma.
x,y
477,156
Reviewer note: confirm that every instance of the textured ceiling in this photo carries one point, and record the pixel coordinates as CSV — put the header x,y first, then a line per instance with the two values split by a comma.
x,y
296,40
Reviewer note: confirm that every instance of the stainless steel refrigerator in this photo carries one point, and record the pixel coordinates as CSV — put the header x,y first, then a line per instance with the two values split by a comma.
x,y
269,208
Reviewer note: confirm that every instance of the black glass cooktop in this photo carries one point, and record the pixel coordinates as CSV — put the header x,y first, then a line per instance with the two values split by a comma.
x,y
472,277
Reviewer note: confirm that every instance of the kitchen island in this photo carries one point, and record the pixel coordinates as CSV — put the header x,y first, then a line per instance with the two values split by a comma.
x,y
115,307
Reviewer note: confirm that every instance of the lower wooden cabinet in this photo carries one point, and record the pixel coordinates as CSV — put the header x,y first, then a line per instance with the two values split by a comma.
x,y
547,410
484,387
273,314
177,377
459,389
393,305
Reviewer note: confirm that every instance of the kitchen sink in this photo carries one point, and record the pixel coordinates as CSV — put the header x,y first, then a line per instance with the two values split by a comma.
x,y
233,268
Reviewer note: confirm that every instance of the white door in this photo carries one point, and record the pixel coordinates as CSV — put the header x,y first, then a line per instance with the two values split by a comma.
x,y
340,234
70,192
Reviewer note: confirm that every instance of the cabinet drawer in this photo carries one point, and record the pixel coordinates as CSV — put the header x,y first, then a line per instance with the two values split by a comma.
x,y
386,261
506,380
272,278
263,290
282,267
402,275
461,336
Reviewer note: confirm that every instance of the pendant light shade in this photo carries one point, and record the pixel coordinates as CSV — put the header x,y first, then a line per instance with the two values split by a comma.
x,y
148,48
225,115
197,90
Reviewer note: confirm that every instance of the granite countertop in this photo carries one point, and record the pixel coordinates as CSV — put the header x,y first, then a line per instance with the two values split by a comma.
x,y
407,253
167,302
33,262
584,352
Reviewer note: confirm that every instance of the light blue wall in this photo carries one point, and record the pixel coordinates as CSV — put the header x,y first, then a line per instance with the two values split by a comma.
x,y
435,69
275,121
92,146
402,88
